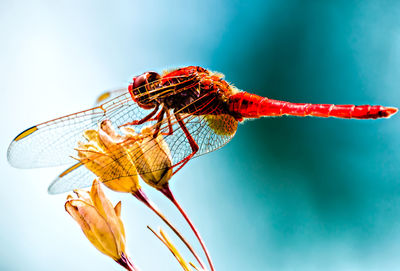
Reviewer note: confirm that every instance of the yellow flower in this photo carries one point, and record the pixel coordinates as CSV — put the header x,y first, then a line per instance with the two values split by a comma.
x,y
100,222
107,158
152,157
118,159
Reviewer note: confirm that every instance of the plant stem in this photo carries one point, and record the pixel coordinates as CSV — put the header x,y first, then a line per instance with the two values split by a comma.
x,y
168,193
126,262
140,195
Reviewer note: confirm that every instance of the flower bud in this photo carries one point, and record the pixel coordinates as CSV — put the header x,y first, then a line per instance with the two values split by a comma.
x,y
99,220
153,158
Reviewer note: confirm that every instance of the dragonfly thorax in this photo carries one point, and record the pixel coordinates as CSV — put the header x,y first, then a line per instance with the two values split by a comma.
x,y
196,91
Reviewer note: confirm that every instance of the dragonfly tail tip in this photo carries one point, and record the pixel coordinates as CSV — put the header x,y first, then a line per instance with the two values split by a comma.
x,y
391,111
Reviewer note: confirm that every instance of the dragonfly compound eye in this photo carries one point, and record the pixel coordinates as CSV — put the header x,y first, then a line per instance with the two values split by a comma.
x,y
152,77
138,81
142,87
142,83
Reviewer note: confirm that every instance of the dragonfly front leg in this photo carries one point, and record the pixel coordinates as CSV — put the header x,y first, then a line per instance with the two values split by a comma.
x,y
192,143
170,130
160,118
145,119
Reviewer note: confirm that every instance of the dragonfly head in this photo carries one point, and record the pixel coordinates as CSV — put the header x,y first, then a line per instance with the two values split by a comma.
x,y
141,88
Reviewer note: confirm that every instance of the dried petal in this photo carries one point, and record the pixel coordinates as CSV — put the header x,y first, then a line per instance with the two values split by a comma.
x,y
107,159
118,159
94,227
106,210
155,162
99,220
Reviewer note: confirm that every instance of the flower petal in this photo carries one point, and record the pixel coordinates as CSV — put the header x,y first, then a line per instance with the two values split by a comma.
x,y
117,209
94,226
83,195
155,161
106,210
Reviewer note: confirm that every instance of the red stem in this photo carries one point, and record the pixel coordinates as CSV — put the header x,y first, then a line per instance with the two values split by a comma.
x,y
140,195
168,193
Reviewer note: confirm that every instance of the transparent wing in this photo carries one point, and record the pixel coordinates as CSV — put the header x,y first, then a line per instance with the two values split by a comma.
x,y
109,95
52,143
75,177
210,133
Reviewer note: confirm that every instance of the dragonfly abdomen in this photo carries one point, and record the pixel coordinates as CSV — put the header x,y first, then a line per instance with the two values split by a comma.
x,y
250,105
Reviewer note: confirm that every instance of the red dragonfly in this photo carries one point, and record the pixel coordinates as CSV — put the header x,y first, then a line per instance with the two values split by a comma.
x,y
195,110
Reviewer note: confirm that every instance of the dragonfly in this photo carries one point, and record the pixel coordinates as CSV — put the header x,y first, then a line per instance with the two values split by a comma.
x,y
195,110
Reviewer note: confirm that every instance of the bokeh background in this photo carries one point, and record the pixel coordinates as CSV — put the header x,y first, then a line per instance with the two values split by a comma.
x,y
286,194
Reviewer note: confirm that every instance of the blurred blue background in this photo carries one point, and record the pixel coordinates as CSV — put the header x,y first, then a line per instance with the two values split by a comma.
x,y
286,194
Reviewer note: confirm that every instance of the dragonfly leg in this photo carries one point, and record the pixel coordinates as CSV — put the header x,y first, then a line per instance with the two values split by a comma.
x,y
170,131
192,143
160,118
147,118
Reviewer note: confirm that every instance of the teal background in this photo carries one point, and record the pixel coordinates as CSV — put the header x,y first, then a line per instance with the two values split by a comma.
x,y
286,194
